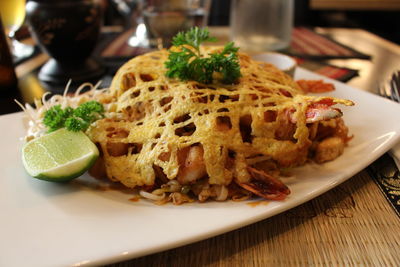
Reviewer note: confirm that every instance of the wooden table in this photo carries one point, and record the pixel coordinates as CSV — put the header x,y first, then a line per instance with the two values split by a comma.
x,y
351,225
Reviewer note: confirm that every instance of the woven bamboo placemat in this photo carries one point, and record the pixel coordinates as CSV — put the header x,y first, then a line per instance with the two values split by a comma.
x,y
307,43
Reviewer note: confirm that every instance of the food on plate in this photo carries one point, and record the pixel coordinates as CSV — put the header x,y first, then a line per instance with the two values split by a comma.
x,y
227,134
315,86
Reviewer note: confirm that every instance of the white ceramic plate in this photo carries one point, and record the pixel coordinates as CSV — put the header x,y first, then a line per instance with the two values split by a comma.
x,y
47,224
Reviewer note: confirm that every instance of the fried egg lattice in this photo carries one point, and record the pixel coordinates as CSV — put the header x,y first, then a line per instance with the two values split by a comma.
x,y
264,117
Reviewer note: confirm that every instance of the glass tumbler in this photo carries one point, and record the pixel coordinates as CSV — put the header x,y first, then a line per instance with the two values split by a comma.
x,y
165,18
13,14
262,25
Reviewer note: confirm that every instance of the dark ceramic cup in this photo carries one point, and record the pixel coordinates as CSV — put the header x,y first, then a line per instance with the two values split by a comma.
x,y
67,30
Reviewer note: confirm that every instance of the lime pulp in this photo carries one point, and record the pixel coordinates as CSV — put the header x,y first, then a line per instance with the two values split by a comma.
x,y
59,156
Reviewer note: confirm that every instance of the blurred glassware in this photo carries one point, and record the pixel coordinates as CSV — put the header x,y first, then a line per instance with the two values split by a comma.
x,y
140,36
8,79
165,18
68,31
262,25
13,15
129,10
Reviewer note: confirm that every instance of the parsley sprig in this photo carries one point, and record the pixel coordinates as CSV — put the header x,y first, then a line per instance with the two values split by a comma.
x,y
74,120
187,62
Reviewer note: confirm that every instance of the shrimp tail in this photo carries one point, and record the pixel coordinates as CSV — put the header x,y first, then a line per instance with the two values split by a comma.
x,y
265,185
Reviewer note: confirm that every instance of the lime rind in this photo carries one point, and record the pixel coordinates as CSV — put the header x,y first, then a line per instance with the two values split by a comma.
x,y
68,177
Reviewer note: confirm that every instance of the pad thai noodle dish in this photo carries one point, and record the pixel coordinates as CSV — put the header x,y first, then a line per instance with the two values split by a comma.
x,y
204,123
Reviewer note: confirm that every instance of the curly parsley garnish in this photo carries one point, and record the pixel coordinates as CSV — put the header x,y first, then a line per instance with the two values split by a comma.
x,y
187,63
74,120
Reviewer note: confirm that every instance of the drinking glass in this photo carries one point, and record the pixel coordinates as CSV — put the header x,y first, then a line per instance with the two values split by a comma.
x,y
165,18
262,25
13,14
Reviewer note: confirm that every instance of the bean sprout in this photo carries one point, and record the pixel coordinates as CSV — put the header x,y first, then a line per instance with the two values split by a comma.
x,y
152,196
222,193
35,114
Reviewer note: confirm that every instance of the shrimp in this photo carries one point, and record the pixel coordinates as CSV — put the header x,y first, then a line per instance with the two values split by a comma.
x,y
265,185
322,110
318,111
192,166
191,161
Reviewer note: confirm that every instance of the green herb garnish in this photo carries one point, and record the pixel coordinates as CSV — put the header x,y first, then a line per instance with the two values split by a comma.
x,y
187,63
74,120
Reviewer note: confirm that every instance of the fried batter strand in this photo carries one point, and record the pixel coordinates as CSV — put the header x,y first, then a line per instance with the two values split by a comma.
x,y
192,133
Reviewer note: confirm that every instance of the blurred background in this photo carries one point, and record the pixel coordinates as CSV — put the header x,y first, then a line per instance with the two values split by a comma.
x,y
93,38
377,16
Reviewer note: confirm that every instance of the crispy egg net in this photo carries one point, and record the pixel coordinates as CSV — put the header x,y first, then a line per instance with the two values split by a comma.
x,y
261,118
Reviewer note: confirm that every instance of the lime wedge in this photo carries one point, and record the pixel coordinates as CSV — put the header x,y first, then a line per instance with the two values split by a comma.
x,y
59,156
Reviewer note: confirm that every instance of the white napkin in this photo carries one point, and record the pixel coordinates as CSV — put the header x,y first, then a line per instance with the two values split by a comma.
x,y
395,153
